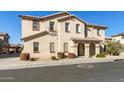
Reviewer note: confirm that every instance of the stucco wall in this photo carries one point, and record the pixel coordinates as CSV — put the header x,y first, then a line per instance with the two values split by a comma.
x,y
59,40
64,37
44,46
93,33
118,39
27,28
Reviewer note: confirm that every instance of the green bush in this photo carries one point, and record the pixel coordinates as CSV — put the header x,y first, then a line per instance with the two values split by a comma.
x,y
116,53
113,47
53,58
100,55
33,59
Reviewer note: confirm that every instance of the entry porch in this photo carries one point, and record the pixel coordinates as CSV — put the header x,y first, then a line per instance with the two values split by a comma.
x,y
86,46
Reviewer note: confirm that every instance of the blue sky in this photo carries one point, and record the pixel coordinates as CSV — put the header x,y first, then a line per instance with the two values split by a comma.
x,y
11,23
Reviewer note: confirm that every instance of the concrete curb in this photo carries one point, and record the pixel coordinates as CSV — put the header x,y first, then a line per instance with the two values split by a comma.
x,y
28,64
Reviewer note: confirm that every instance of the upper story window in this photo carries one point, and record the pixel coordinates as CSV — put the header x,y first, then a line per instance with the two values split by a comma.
x,y
36,25
52,26
35,47
77,28
122,37
98,32
67,27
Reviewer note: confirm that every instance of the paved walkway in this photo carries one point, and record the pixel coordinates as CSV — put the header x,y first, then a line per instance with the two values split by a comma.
x,y
15,63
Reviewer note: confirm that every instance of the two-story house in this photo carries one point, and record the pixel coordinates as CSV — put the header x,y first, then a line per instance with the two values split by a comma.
x,y
60,32
119,38
4,43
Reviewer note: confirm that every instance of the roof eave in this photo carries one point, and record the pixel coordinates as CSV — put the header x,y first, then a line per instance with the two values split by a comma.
x,y
97,26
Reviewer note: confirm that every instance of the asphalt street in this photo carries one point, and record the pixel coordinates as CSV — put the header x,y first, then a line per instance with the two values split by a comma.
x,y
95,72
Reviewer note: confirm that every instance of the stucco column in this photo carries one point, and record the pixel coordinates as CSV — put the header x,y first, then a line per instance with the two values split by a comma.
x,y
97,49
87,50
74,47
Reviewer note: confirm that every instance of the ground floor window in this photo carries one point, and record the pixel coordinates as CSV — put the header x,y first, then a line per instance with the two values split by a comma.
x,y
35,47
65,47
52,47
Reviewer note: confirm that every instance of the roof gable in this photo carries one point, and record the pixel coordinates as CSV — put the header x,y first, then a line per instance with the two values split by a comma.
x,y
70,17
44,18
97,26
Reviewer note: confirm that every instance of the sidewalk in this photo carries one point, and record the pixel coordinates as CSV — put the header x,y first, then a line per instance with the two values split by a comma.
x,y
15,63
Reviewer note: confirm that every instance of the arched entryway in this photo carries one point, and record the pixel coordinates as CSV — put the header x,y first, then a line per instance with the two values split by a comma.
x,y
81,49
92,49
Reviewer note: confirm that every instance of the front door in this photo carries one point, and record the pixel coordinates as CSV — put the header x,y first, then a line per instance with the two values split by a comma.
x,y
81,49
92,49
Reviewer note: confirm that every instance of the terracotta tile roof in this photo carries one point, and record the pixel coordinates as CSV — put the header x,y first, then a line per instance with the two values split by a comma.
x,y
42,17
35,36
120,34
59,13
3,34
97,26
70,16
85,39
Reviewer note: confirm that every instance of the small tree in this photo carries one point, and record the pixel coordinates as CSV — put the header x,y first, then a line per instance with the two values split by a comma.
x,y
113,47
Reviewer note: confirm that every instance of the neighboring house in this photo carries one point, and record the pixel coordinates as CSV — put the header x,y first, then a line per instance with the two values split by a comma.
x,y
60,32
108,38
16,48
4,43
119,38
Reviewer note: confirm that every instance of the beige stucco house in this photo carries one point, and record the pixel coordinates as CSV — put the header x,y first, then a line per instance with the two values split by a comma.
x,y
61,32
119,38
4,43
16,48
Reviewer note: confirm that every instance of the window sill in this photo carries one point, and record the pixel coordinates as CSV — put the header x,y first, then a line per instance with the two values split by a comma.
x,y
67,31
36,52
52,30
35,30
78,32
53,52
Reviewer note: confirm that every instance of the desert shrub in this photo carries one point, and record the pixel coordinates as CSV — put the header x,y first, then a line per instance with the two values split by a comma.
x,y
60,55
71,55
117,53
24,56
65,56
113,47
53,58
33,59
100,55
